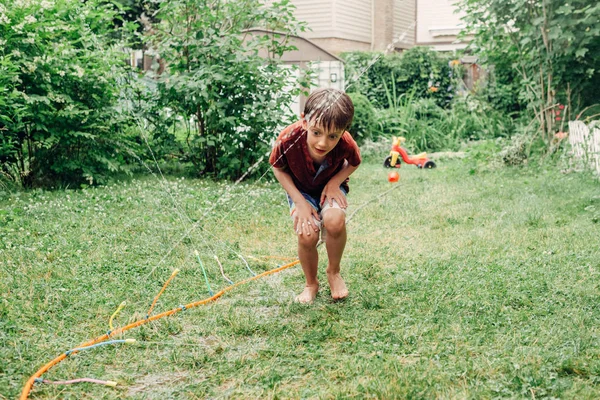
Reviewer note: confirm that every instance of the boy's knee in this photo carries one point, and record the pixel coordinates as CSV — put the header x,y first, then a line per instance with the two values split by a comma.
x,y
335,221
308,240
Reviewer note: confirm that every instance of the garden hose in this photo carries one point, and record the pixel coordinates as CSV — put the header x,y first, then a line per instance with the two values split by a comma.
x,y
223,272
89,344
210,292
173,274
29,384
110,321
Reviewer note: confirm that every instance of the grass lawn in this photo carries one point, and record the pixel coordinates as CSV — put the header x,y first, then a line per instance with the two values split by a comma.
x,y
465,283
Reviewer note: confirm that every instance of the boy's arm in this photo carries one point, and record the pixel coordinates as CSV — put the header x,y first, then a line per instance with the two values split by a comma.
x,y
332,189
304,211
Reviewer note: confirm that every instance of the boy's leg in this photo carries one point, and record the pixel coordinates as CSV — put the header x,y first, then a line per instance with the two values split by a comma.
x,y
334,220
308,256
309,259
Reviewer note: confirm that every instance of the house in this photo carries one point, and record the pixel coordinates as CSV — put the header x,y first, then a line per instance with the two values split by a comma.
x,y
438,25
351,25
387,25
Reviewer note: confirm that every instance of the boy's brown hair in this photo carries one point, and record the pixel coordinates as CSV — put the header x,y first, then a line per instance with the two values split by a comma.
x,y
332,109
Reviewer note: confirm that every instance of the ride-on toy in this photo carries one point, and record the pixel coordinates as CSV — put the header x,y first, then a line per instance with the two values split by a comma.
x,y
392,161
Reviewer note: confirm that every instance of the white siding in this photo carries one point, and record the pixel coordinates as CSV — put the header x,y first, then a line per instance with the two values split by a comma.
x,y
405,22
353,19
342,19
437,22
318,14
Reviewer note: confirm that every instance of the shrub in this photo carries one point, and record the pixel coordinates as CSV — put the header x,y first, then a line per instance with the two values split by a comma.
x,y
61,75
229,100
364,72
515,153
364,122
554,46
427,73
470,118
419,70
9,75
429,127
501,89
375,149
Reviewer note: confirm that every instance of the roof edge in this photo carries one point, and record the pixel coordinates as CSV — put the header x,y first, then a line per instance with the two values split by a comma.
x,y
250,30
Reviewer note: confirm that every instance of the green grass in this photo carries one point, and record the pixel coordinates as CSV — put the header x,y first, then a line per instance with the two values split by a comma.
x,y
465,283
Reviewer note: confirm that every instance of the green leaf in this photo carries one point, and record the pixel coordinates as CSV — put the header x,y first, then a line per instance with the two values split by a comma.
x,y
537,21
565,9
581,52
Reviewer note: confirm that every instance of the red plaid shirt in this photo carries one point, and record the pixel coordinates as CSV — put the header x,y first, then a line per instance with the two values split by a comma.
x,y
290,153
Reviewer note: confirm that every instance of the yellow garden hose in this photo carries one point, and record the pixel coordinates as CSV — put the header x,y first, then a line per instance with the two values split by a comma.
x,y
110,324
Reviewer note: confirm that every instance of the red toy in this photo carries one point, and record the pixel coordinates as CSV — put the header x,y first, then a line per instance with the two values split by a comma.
x,y
393,176
392,161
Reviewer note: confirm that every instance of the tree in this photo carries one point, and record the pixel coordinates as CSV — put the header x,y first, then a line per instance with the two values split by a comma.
x,y
226,85
552,45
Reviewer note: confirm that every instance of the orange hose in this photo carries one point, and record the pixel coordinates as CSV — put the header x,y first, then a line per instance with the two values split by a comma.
x,y
175,272
29,385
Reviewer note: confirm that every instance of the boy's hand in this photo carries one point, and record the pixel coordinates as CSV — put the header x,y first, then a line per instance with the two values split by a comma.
x,y
332,192
303,219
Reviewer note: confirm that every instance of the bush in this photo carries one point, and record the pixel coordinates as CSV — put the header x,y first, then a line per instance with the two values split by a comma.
x,y
419,70
375,149
227,99
60,79
502,88
429,127
515,153
550,55
364,122
470,118
427,73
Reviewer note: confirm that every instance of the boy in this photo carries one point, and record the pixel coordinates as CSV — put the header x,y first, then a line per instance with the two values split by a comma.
x,y
312,159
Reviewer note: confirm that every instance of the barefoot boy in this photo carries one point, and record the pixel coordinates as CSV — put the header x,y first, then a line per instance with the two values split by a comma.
x,y
312,160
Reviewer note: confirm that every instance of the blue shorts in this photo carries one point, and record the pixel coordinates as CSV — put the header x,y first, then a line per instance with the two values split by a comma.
x,y
314,202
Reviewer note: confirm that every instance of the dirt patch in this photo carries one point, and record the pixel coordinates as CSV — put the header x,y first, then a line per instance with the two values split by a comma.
x,y
158,383
247,349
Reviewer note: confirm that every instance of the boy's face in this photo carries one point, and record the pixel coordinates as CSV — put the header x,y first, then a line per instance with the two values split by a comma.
x,y
319,139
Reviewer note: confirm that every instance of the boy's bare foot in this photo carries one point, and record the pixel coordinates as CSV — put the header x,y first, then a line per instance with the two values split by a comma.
x,y
308,294
338,286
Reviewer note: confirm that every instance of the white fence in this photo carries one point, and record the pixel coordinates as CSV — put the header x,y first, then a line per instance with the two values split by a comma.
x,y
585,144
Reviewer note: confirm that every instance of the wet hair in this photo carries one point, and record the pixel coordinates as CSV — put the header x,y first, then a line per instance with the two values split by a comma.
x,y
330,108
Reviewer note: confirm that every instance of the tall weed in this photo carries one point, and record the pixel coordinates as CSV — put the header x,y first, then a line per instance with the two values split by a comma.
x,y
397,118
429,127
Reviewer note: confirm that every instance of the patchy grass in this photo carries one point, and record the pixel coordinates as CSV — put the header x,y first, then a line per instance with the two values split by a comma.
x,y
465,283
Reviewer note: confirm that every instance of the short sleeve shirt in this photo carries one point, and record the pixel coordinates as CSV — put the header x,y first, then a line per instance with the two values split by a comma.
x,y
290,153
